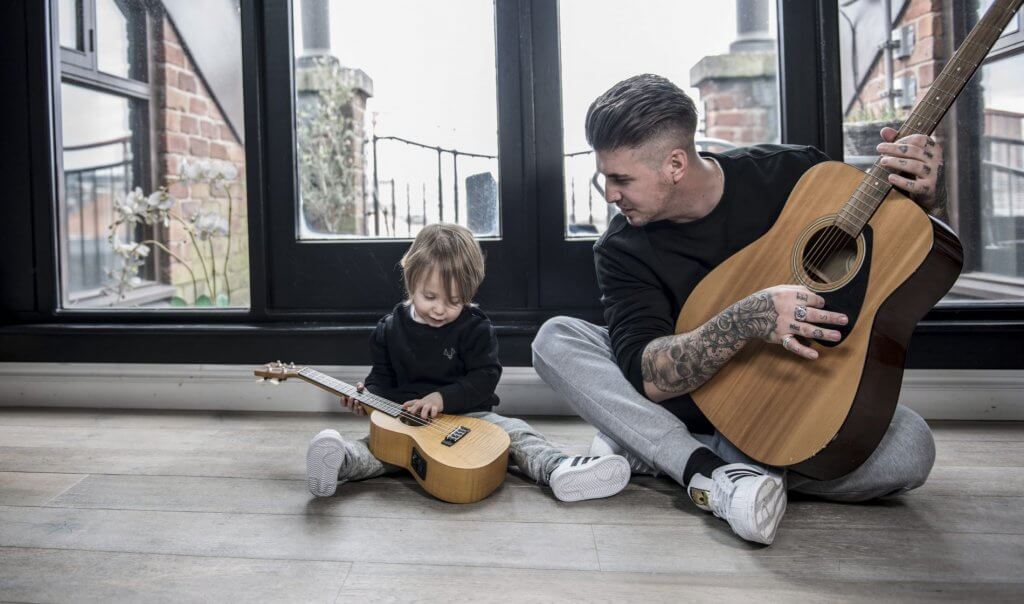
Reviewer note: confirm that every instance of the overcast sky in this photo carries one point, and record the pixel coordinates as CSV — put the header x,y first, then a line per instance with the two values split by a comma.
x,y
433,63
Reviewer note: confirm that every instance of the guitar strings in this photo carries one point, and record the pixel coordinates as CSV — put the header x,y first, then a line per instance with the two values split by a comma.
x,y
986,35
441,427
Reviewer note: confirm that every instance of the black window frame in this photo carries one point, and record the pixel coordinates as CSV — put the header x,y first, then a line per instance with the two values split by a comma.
x,y
34,328
80,68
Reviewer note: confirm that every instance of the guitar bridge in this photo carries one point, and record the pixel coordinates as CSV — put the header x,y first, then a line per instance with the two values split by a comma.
x,y
454,436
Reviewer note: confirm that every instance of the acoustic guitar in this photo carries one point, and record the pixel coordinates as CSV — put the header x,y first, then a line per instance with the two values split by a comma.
x,y
454,458
874,255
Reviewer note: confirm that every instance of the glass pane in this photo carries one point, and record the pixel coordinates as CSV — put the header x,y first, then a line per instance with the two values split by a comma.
x,y
994,263
724,59
120,38
98,168
154,207
396,117
985,197
69,15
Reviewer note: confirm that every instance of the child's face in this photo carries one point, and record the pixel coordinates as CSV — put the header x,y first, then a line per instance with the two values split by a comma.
x,y
431,301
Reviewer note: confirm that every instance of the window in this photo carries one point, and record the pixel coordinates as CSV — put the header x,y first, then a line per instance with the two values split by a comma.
x,y
725,61
396,118
152,207
983,138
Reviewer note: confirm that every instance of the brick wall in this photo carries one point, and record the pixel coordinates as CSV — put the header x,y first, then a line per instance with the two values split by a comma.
x,y
925,63
189,126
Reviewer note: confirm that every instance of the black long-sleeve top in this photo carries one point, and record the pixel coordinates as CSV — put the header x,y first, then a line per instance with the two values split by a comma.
x,y
458,360
647,273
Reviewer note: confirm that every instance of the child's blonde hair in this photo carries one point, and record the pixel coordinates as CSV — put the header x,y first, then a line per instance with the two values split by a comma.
x,y
450,249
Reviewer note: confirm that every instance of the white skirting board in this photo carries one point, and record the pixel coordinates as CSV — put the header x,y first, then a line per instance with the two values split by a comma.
x,y
936,394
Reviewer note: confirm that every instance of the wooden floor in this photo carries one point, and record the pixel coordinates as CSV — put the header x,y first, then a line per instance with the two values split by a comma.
x,y
178,506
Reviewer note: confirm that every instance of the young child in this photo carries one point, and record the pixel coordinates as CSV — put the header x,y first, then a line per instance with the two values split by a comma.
x,y
437,352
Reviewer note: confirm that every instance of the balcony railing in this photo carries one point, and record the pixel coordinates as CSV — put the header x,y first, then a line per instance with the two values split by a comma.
x,y
89,194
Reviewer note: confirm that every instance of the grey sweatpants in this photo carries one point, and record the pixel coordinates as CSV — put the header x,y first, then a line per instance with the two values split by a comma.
x,y
529,450
575,358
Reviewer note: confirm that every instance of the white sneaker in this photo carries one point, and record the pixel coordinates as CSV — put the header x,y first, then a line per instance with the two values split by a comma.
x,y
324,457
751,499
602,445
578,478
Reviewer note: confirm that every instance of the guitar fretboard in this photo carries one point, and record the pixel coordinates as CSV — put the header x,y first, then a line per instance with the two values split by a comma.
x,y
342,388
929,110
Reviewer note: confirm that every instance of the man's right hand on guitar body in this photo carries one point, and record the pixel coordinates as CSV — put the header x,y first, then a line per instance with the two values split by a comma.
x,y
799,315
678,364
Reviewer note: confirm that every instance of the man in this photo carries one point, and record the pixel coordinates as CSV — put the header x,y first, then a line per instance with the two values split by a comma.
x,y
683,213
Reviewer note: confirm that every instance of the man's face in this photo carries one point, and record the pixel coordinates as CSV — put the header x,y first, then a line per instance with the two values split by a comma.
x,y
635,183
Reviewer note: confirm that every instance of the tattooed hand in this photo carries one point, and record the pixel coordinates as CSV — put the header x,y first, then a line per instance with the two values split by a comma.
x,y
918,165
678,364
799,315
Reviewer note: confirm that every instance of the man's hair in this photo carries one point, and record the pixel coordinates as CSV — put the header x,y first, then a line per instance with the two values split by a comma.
x,y
638,110
450,249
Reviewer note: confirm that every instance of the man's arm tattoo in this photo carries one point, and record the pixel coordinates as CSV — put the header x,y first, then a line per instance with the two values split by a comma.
x,y
682,363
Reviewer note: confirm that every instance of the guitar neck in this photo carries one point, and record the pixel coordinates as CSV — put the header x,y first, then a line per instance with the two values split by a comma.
x,y
930,109
341,388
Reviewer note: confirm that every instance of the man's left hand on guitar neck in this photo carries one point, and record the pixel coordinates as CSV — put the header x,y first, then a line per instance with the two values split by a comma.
x,y
918,160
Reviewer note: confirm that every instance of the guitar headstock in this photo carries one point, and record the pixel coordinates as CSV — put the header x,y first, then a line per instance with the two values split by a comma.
x,y
277,372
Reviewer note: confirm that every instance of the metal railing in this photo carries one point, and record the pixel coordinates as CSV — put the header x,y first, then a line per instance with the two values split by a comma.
x,y
384,203
380,209
89,195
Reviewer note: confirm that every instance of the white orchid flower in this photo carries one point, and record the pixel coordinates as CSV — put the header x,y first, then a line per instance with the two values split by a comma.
x,y
227,171
209,223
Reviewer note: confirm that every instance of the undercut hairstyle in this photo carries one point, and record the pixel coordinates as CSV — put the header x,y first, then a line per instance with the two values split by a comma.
x,y
638,110
453,252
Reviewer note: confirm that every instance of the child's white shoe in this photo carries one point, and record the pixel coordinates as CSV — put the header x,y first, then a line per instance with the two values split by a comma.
x,y
578,478
323,462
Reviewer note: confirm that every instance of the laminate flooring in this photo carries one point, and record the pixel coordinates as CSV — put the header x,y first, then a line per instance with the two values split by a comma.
x,y
144,506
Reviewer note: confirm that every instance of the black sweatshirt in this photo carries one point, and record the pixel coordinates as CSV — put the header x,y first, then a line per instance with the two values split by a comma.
x,y
646,273
459,360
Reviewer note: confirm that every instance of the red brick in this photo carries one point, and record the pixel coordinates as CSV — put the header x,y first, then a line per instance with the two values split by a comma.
x,y
174,55
174,143
218,151
172,121
926,74
189,124
176,99
198,147
197,106
916,9
226,134
237,154
171,164
187,81
178,190
210,130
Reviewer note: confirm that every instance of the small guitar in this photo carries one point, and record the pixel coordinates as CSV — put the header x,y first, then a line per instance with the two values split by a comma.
x,y
456,459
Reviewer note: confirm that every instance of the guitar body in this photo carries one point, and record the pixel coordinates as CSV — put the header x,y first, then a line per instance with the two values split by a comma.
x,y
466,471
823,418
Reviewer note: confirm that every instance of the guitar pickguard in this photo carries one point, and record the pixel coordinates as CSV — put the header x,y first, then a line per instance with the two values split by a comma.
x,y
849,299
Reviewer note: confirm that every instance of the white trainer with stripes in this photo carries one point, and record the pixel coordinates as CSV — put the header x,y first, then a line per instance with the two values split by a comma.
x,y
603,445
324,457
751,499
580,477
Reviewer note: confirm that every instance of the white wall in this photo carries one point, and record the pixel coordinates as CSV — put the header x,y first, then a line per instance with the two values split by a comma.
x,y
944,394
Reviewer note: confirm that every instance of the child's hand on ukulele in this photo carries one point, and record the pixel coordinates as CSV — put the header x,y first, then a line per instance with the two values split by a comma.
x,y
352,404
428,406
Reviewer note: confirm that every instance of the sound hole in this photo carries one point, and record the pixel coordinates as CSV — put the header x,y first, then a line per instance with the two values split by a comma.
x,y
830,255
